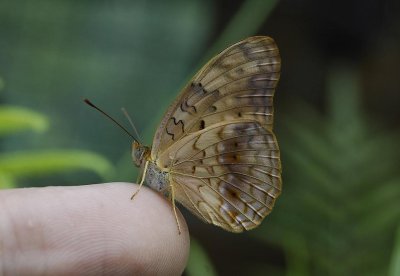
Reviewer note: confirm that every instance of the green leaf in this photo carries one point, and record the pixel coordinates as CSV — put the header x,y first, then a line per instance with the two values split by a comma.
x,y
341,186
394,268
15,119
199,264
246,22
7,182
297,255
23,164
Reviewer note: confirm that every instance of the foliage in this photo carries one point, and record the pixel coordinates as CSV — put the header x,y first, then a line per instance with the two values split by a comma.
x,y
342,184
24,164
246,22
394,268
14,119
131,53
199,263
34,163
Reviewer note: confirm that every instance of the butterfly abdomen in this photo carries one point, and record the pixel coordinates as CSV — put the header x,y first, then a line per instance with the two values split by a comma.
x,y
156,178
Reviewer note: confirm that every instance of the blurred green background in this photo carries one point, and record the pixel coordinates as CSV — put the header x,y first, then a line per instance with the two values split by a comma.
x,y
337,115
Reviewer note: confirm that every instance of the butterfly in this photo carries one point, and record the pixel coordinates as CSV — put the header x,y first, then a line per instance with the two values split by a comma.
x,y
214,151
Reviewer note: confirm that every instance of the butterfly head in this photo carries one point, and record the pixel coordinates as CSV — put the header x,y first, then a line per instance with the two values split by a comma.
x,y
139,153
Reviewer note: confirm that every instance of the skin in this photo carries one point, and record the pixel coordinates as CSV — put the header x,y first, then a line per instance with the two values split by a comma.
x,y
90,230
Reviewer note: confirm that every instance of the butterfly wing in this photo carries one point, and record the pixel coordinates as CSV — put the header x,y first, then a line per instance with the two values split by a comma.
x,y
227,174
238,83
216,139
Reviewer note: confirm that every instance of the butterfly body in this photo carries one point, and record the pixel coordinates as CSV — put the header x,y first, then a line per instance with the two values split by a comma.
x,y
215,151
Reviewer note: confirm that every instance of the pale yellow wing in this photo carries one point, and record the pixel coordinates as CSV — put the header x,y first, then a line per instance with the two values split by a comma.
x,y
238,83
228,174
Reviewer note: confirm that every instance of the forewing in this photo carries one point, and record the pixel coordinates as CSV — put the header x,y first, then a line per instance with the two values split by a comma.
x,y
239,83
228,174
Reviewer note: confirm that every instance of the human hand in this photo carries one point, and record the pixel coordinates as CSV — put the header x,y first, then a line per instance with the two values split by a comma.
x,y
90,230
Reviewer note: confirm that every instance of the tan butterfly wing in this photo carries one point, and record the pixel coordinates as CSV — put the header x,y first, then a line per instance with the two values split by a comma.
x,y
216,139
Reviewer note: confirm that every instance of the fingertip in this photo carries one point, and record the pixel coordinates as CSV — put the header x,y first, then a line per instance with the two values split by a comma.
x,y
94,229
147,228
163,249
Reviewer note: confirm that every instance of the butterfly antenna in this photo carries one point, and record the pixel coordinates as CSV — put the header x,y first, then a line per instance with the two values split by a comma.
x,y
131,122
109,117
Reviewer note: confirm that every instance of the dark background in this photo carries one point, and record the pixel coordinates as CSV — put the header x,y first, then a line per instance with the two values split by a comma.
x,y
337,115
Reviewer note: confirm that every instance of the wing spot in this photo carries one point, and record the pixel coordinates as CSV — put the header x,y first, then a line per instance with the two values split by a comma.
x,y
211,109
233,193
172,123
202,124
239,70
239,114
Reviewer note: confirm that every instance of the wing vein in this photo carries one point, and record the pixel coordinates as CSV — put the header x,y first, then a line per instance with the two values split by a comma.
x,y
224,56
250,195
227,152
232,172
230,203
262,72
190,199
219,141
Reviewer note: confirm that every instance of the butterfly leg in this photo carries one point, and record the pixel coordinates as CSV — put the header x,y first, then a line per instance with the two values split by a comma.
x,y
141,181
172,197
